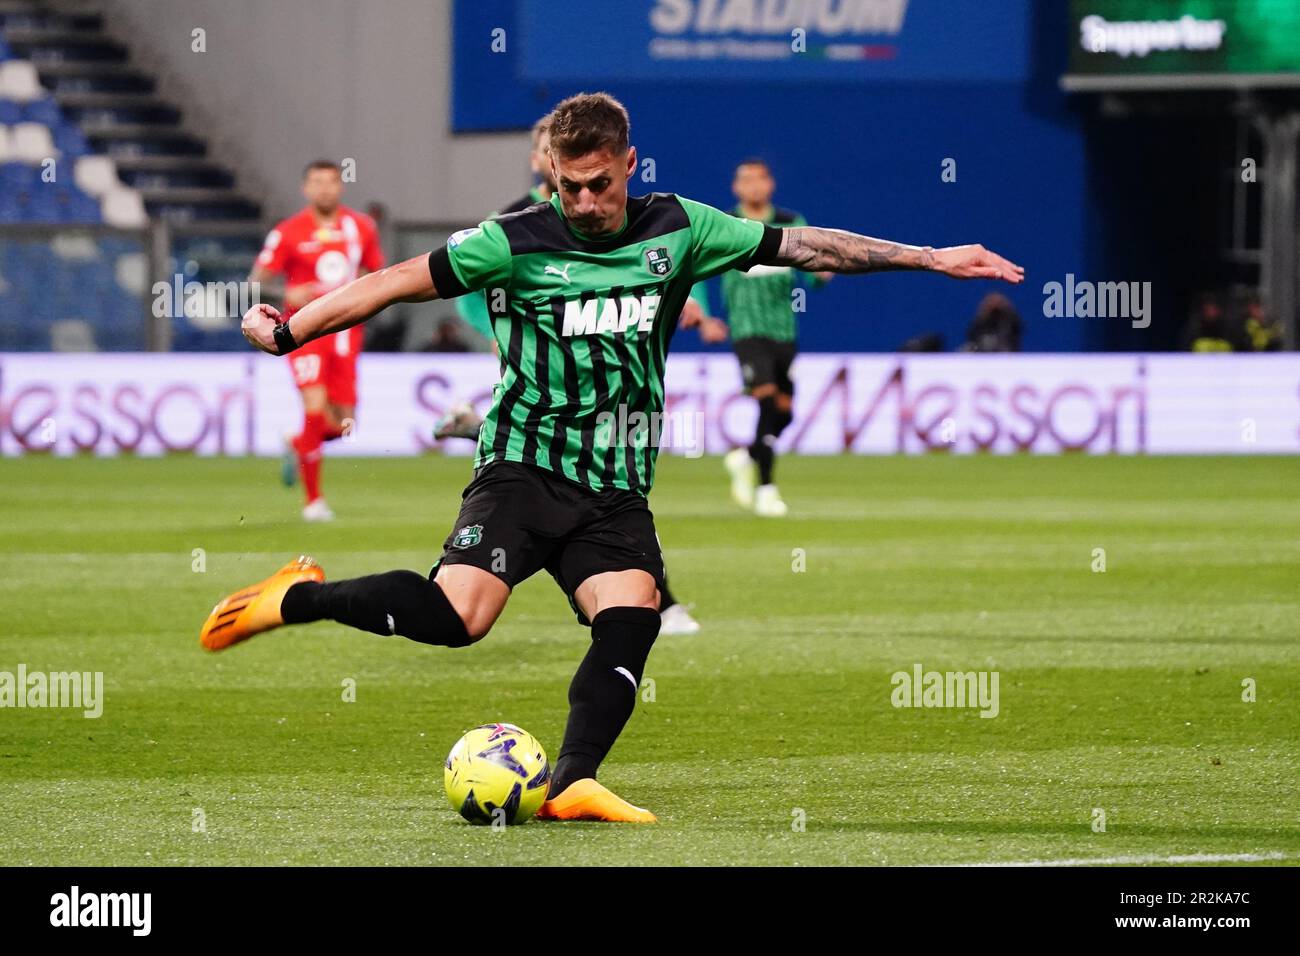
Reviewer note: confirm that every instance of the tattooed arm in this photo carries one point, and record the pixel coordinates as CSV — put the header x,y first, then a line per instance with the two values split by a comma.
x,y
833,250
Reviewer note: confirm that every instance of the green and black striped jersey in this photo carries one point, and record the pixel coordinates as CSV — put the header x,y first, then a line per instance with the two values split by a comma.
x,y
759,302
583,326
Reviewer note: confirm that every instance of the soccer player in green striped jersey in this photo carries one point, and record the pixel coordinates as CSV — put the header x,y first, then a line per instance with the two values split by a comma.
x,y
462,421
761,311
584,293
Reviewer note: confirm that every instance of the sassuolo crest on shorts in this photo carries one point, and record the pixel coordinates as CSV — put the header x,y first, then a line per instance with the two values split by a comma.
x,y
468,536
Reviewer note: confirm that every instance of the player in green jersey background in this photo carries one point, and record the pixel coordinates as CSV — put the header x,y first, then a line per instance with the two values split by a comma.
x,y
473,308
762,308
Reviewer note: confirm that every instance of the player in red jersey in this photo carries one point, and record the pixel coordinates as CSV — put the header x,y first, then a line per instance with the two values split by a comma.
x,y
321,248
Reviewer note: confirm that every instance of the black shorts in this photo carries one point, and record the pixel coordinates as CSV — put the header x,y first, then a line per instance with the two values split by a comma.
x,y
516,520
765,361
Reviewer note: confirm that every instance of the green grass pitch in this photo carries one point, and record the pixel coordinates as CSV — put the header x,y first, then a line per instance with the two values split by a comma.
x,y
1119,691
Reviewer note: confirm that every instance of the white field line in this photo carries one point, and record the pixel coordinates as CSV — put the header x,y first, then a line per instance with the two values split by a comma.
x,y
1141,860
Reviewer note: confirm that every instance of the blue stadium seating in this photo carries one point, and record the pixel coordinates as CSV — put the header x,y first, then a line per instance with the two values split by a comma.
x,y
44,111
55,289
69,140
25,198
38,286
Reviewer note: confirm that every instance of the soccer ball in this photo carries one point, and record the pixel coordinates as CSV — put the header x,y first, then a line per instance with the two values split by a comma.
x,y
497,773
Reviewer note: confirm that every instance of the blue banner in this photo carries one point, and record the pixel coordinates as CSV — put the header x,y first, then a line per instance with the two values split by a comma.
x,y
798,40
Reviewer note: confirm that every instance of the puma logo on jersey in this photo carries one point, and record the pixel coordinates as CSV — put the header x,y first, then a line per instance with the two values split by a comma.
x,y
623,314
553,271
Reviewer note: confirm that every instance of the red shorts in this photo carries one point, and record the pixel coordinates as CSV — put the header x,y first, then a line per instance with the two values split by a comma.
x,y
330,361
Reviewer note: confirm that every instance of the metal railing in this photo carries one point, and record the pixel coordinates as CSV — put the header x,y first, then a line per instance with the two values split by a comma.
x,y
171,286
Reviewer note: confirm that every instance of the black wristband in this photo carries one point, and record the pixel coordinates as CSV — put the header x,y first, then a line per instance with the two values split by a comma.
x,y
284,339
768,246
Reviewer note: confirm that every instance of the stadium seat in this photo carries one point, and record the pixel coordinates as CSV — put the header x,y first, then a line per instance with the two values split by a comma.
x,y
19,81
84,209
31,143
70,141
70,205
77,251
10,112
96,175
17,179
72,335
123,207
43,207
44,111
5,148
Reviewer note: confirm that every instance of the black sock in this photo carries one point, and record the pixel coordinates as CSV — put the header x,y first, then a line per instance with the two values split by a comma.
x,y
395,602
762,453
771,422
780,421
603,693
764,439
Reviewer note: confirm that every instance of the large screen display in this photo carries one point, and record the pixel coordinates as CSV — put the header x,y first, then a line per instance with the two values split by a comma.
x,y
1118,44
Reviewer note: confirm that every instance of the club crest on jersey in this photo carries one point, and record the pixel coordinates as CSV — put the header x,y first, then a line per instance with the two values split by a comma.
x,y
658,260
468,536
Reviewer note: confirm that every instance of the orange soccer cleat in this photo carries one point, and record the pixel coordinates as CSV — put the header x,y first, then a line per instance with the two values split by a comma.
x,y
256,608
586,799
